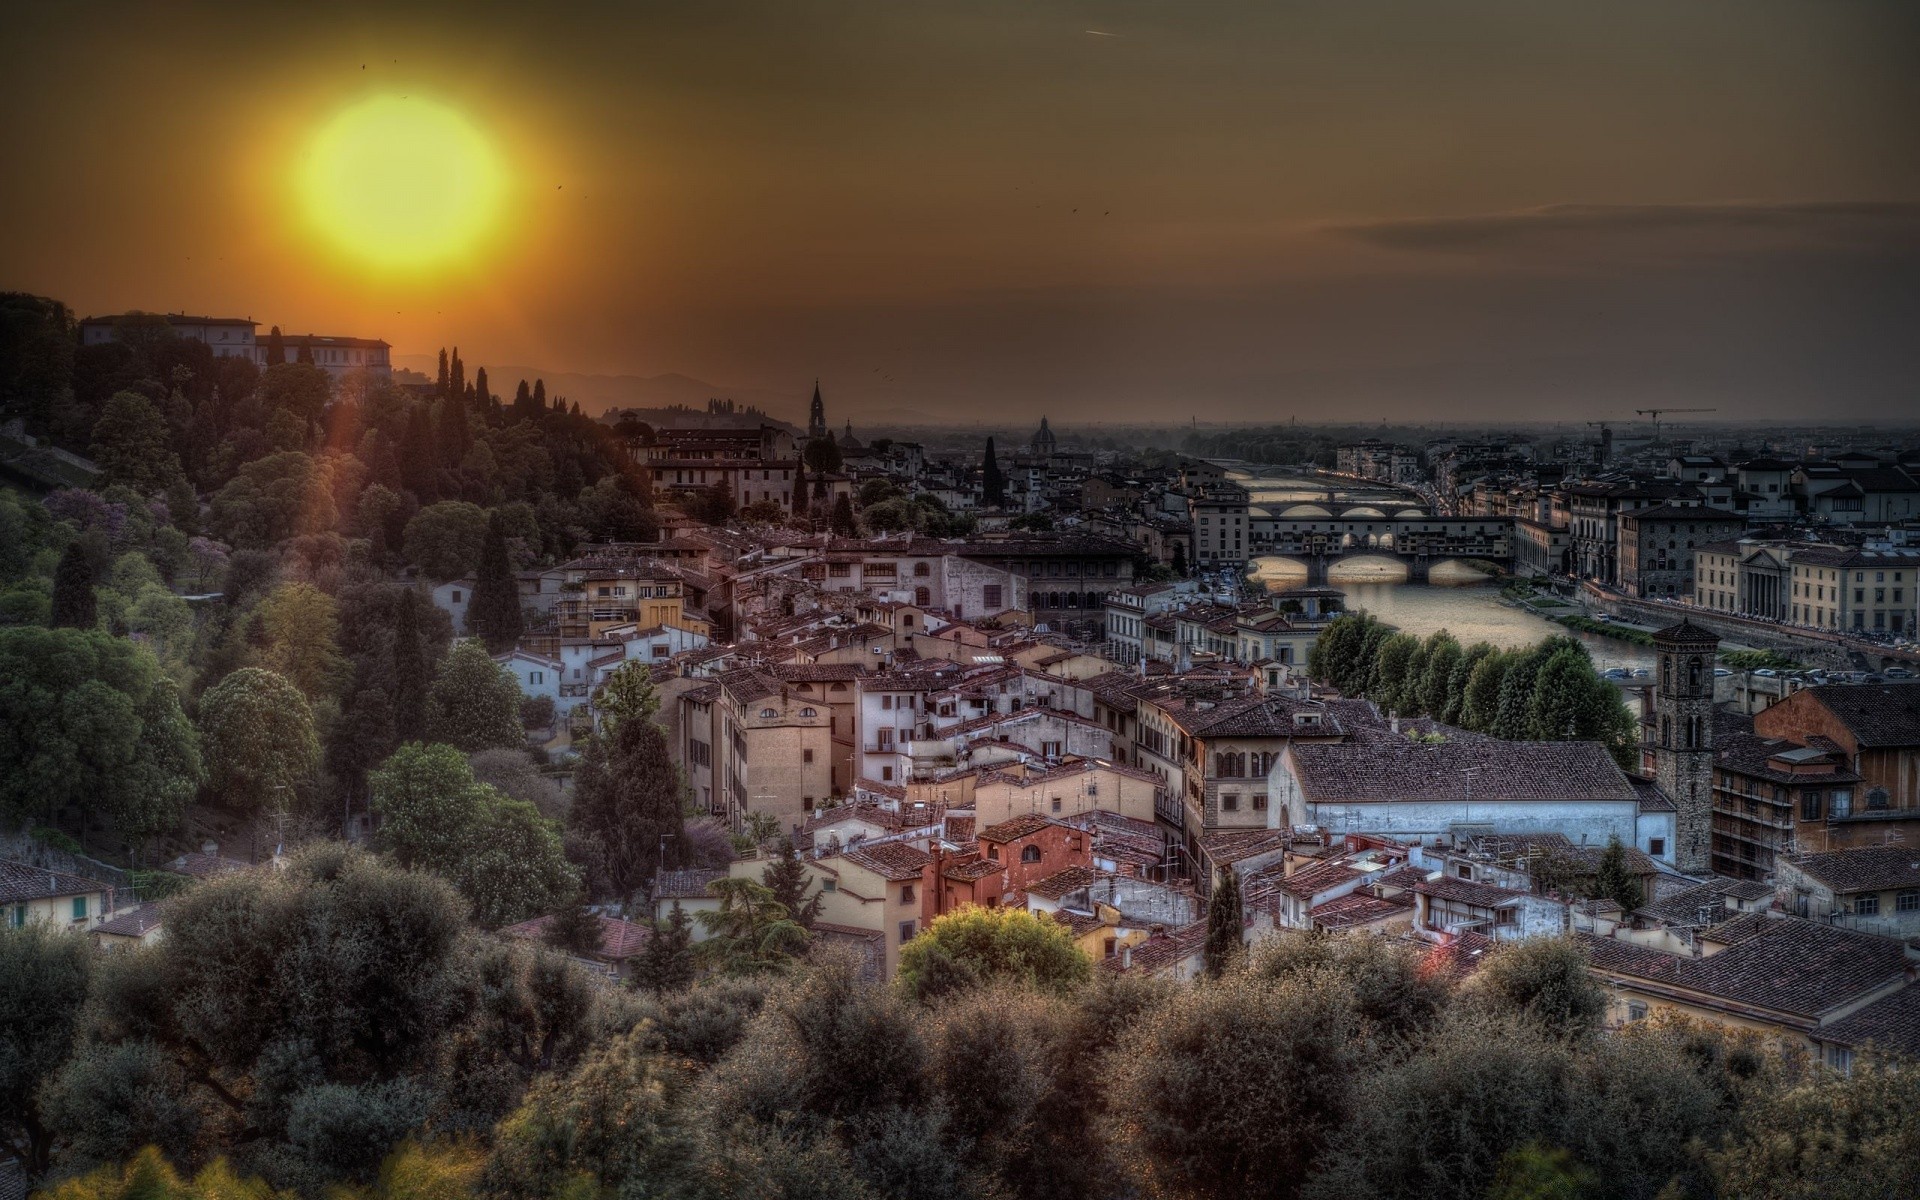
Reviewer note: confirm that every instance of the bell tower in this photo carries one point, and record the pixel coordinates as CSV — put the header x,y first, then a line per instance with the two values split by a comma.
x,y
816,415
1683,738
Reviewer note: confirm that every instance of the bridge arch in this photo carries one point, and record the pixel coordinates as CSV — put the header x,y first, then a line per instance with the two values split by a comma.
x,y
1296,511
1368,568
1362,511
1410,512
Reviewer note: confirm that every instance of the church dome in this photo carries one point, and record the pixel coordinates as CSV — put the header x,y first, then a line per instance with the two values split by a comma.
x,y
1042,442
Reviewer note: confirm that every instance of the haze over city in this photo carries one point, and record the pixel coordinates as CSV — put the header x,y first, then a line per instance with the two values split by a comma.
x,y
1110,211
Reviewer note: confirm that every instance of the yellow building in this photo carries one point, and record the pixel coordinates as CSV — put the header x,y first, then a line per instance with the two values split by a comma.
x,y
32,895
750,744
597,594
874,889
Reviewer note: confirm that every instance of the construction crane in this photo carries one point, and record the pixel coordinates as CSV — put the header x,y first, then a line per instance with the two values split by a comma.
x,y
1656,414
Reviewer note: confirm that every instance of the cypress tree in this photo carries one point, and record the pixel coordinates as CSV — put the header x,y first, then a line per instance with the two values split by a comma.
x,y
482,397
843,523
522,402
419,468
73,599
410,681
800,485
494,614
1225,924
306,353
667,963
451,433
993,485
457,374
573,928
276,347
628,794
539,407
1614,882
445,380
786,878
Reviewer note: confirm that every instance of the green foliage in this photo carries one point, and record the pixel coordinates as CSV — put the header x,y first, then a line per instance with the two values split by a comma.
x,y
494,613
301,625
1754,660
505,857
787,879
1537,1172
257,729
750,931
972,947
626,693
132,445
1546,981
273,499
43,972
73,604
667,961
628,800
444,540
92,723
474,703
1614,881
1827,1134
1226,929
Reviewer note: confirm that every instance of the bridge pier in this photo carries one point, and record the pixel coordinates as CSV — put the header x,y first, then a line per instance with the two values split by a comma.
x,y
1418,567
1317,571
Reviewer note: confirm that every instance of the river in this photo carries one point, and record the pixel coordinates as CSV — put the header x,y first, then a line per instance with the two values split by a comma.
x,y
1463,601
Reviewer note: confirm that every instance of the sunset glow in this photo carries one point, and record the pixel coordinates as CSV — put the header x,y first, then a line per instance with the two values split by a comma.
x,y
401,182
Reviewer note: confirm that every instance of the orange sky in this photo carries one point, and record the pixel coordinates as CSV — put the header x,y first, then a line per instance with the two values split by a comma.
x,y
1240,210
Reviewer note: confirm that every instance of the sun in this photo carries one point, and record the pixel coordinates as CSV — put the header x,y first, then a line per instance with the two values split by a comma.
x,y
401,182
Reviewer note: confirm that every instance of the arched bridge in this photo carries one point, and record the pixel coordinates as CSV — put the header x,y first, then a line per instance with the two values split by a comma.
x,y
1320,536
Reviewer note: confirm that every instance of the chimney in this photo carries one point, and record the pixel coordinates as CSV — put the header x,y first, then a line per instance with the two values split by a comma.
x,y
210,848
1393,722
1126,956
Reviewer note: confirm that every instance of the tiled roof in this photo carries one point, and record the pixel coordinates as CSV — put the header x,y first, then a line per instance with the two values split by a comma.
x,y
1467,891
1885,714
1164,951
20,883
685,885
895,861
1058,884
1234,845
1479,769
1021,826
1457,958
974,871
1078,924
1318,877
205,866
1890,1025
618,939
1864,869
1800,968
1357,908
133,922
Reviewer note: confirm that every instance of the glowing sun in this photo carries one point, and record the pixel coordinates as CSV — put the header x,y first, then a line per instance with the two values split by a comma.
x,y
401,182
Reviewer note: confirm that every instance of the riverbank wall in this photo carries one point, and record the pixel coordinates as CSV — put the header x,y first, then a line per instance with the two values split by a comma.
x,y
1813,647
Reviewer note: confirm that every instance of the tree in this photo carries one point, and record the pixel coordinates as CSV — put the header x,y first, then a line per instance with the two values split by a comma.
x,y
91,722
1825,1134
822,456
1614,882
302,626
444,539
573,927
133,445
494,614
1480,706
474,703
628,796
411,685
1436,678
666,963
993,485
628,692
276,347
970,947
786,877
842,522
505,858
1235,1089
1545,980
1571,702
750,931
73,599
800,503
44,972
1179,562
1391,667
257,730
1537,1172
1226,930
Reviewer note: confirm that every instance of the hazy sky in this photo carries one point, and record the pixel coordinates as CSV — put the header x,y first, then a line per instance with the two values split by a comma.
x,y
1337,209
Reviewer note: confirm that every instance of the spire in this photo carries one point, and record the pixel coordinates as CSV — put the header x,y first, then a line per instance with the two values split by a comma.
x,y
817,414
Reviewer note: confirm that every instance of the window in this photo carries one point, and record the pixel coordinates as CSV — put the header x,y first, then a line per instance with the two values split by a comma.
x,y
1030,854
536,678
829,885
1877,798
806,756
886,774
906,931
19,917
808,712
1259,804
79,908
1636,1011
1056,804
1503,916
1867,905
1840,1058
457,595
990,595
1656,846
767,714
920,570
1229,802
1907,900
906,893
806,803
1840,805
1810,804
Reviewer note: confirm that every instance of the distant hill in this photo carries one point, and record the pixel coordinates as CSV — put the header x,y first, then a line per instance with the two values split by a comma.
x,y
598,393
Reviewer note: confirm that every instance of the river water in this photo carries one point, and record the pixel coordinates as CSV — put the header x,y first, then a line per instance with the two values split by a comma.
x,y
1463,601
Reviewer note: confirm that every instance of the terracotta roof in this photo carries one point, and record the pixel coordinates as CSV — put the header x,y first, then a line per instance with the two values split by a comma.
x,y
1863,869
1164,951
1890,1025
1457,958
133,922
1799,968
1058,884
685,884
1078,924
20,883
895,861
1396,769
1021,826
1466,891
1886,714
1358,908
973,871
619,939
1317,877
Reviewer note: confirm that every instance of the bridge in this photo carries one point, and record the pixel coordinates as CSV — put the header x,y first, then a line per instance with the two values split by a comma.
x,y
1320,535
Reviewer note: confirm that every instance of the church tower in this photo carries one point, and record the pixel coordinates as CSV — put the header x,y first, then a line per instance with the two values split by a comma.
x,y
816,415
1683,738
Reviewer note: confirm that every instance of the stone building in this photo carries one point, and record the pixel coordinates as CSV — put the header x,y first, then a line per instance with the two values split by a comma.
x,y
1683,738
